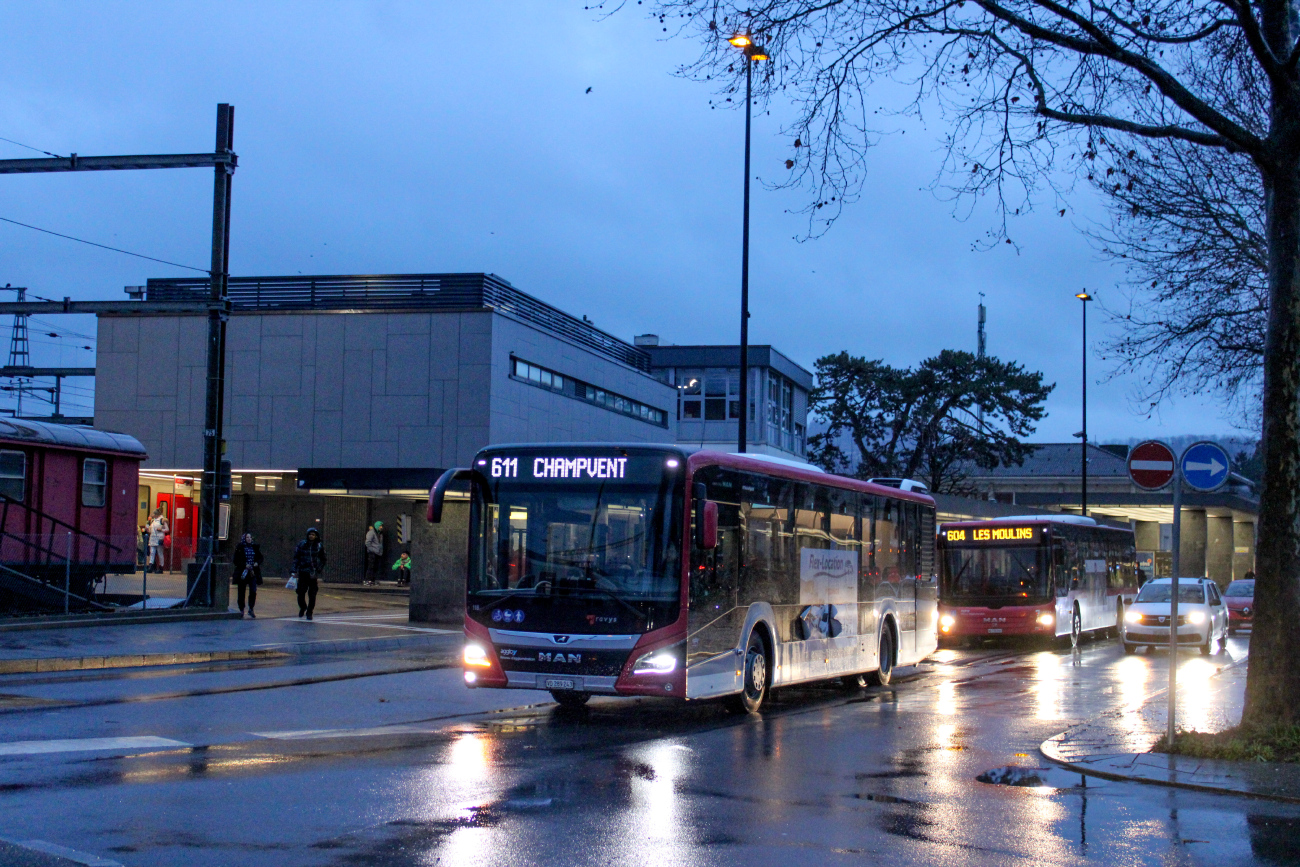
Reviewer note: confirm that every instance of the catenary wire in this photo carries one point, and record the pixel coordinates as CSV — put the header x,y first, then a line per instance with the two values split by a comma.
x,y
104,246
29,147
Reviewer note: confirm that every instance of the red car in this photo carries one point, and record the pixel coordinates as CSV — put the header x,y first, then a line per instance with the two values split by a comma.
x,y
1240,597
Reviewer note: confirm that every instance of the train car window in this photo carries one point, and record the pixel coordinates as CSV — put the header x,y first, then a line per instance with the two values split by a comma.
x,y
94,482
13,475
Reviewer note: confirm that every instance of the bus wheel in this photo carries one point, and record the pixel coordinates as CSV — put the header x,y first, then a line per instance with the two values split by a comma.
x,y
569,698
885,672
1076,629
754,690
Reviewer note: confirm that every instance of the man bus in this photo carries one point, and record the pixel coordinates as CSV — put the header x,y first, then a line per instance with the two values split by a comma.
x,y
658,570
1038,575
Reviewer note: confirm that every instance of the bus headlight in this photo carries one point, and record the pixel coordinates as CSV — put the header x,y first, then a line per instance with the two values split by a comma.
x,y
1047,618
655,662
476,655
946,622
1132,616
1196,618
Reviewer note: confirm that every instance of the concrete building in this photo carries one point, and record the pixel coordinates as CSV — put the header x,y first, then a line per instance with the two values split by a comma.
x,y
1218,529
347,396
707,382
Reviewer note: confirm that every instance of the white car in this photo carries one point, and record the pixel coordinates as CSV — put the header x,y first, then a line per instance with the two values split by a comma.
x,y
1202,615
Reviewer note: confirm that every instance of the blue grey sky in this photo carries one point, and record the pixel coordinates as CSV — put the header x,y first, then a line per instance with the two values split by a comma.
x,y
452,136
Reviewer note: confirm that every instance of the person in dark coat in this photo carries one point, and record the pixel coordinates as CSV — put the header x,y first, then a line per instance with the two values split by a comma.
x,y
308,563
247,572
374,552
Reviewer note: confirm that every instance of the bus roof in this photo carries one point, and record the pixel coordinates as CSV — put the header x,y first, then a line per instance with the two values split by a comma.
x,y
1063,520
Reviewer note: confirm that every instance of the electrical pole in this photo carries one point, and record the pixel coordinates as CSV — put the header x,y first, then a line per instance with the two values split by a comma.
x,y
980,347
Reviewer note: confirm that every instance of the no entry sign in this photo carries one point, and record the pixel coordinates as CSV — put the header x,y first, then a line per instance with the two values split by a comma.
x,y
1151,465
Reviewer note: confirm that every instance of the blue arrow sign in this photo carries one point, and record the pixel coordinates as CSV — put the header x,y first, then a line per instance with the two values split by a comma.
x,y
1205,466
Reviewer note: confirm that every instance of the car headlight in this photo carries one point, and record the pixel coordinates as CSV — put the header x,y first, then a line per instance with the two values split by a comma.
x,y
475,655
1131,616
946,622
1047,618
1196,618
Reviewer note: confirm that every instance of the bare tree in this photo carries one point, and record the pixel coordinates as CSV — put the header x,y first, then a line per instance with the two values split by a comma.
x,y
1034,87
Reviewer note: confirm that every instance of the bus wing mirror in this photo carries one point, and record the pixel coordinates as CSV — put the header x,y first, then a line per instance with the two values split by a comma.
x,y
438,493
709,526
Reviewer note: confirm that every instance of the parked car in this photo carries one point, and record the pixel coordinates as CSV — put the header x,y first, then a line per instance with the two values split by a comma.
x,y
1240,598
1202,616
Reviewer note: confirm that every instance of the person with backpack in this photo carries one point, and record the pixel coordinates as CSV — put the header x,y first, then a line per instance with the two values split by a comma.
x,y
247,574
308,563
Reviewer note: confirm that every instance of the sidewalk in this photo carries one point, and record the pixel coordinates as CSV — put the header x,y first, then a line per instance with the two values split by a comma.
x,y
153,644
1117,744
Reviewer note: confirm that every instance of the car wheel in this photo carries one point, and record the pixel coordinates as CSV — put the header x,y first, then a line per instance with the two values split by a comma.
x,y
754,689
1209,643
888,655
569,698
1129,648
1076,629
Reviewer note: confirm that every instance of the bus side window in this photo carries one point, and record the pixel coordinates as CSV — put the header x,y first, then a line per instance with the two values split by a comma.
x,y
715,574
888,541
765,507
1060,568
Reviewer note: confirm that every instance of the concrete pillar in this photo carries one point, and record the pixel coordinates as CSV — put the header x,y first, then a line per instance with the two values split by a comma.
x,y
440,553
1191,553
1218,550
1146,535
1243,548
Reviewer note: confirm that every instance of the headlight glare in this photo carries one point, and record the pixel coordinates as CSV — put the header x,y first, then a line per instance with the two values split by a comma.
x,y
656,662
947,621
475,655
1132,617
1047,618
1196,617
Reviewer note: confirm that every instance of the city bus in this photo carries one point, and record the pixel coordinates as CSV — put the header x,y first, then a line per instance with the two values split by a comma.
x,y
1038,575
600,569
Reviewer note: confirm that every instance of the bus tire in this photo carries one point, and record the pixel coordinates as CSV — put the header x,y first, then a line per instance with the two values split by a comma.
x,y
568,698
755,681
884,672
1076,628
1119,618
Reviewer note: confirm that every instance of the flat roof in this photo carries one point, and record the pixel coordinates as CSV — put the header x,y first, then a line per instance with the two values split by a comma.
x,y
723,355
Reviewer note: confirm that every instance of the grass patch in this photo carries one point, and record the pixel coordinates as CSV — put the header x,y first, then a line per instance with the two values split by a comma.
x,y
1280,743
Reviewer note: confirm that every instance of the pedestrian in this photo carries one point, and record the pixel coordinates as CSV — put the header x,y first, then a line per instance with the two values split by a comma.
x,y
403,569
308,563
142,546
158,531
374,552
247,571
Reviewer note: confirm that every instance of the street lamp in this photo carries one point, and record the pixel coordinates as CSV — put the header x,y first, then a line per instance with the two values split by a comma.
x,y
753,54
1083,434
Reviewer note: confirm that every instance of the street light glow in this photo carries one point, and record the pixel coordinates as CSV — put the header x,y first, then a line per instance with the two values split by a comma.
x,y
740,40
1083,296
757,54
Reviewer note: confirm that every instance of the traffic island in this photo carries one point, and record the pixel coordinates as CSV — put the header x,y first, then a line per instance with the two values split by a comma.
x,y
1120,744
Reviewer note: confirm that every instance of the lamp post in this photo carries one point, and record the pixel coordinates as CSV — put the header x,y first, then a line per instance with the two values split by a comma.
x,y
753,54
1083,434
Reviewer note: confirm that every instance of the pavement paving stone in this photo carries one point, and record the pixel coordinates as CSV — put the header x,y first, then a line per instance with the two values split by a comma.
x,y
1117,744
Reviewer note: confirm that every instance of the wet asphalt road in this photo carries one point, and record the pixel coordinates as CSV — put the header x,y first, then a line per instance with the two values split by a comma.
x,y
408,767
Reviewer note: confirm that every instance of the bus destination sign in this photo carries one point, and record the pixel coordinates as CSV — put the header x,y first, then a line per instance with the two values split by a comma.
x,y
992,535
589,468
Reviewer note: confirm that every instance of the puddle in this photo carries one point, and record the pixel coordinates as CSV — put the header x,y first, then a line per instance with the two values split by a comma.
x,y
1013,775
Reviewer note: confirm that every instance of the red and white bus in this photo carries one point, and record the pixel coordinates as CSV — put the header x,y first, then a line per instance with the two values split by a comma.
x,y
1036,575
658,570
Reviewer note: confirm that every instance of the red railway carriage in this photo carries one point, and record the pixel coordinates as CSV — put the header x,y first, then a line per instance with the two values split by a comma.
x,y
67,512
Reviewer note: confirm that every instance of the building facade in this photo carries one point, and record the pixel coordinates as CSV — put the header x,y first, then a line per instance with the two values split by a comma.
x,y
707,382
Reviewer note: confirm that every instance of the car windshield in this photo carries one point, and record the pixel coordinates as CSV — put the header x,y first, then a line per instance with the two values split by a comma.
x,y
1164,592
1241,589
1018,574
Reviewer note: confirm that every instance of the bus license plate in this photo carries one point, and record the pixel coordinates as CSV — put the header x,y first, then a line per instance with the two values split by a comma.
x,y
556,683
994,631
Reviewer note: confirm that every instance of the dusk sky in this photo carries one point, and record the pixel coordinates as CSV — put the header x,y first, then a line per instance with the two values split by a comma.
x,y
440,137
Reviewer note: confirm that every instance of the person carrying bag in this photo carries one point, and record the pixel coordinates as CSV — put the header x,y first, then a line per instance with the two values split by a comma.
x,y
308,563
247,573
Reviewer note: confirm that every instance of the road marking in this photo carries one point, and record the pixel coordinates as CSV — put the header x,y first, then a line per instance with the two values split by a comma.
x,y
314,734
63,852
33,748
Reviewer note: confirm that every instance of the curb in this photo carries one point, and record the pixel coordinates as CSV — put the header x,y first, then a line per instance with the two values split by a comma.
x,y
116,618
40,665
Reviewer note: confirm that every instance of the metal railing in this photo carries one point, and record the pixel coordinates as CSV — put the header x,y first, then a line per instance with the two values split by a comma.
x,y
404,292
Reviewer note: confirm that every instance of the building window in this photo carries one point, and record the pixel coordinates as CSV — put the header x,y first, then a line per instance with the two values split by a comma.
x,y
13,475
711,395
576,388
265,483
94,482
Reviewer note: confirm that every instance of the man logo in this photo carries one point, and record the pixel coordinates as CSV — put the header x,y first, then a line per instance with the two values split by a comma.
x,y
560,639
574,658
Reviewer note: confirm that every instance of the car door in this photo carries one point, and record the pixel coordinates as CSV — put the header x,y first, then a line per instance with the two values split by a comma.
x,y
1219,609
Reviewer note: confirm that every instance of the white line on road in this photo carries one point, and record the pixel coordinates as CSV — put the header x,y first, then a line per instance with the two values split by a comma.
x,y
64,852
33,748
313,734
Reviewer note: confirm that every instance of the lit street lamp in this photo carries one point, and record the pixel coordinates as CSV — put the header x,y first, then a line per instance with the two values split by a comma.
x,y
1083,434
753,54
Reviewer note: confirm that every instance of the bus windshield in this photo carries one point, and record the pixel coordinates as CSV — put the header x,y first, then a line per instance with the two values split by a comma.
x,y
980,575
590,556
